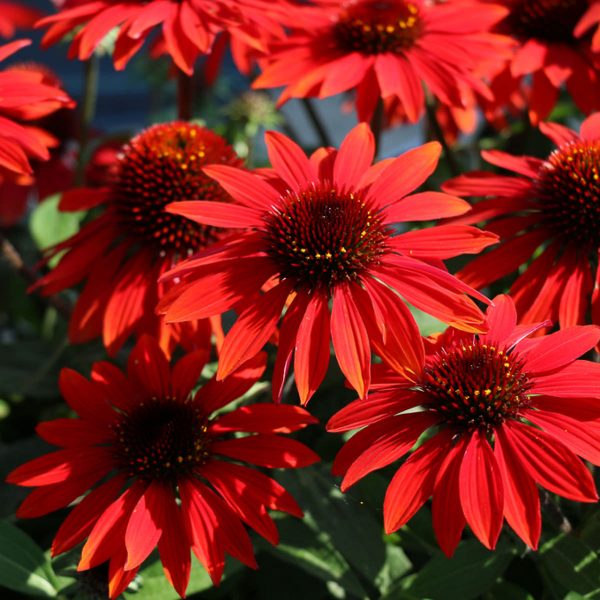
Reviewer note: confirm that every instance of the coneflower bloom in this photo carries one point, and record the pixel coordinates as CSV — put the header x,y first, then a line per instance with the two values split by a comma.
x,y
547,213
24,96
385,49
320,230
13,16
121,253
551,54
187,28
159,468
502,413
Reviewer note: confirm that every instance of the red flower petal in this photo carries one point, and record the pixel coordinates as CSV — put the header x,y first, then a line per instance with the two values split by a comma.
x,y
521,497
83,517
413,483
186,373
399,437
582,438
550,462
217,214
580,379
481,491
144,527
446,511
85,397
252,329
355,156
350,340
406,173
203,529
264,418
289,161
248,189
149,367
426,206
501,319
312,347
265,450
376,407
561,348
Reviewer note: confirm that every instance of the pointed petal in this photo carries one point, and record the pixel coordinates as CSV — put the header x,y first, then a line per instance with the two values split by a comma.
x,y
264,418
413,483
354,157
217,214
289,161
521,497
481,491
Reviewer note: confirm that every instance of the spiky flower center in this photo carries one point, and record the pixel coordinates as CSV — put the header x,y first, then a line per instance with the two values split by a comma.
x,y
376,26
546,20
568,187
164,164
476,386
161,439
322,236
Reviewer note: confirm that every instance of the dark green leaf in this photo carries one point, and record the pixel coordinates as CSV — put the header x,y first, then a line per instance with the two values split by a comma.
x,y
23,566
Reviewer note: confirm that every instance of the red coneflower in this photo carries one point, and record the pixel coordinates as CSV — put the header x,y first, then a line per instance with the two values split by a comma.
x,y
122,253
550,53
188,28
552,205
385,49
158,466
24,96
503,413
319,230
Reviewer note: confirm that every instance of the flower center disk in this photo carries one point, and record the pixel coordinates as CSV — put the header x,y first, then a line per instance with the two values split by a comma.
x,y
568,188
476,386
546,20
161,439
376,26
164,164
320,237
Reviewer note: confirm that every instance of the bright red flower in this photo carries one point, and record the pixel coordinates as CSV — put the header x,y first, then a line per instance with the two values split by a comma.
x,y
385,50
141,442
320,229
188,28
502,412
121,253
551,205
551,55
13,16
24,96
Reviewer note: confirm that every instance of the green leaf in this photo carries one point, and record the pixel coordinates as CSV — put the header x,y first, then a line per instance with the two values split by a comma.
x,y
49,226
505,590
349,525
23,566
570,565
472,571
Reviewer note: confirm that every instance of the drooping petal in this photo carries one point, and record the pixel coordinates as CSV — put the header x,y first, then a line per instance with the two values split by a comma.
x,y
481,490
252,329
521,497
350,340
401,435
550,463
149,367
413,483
312,353
446,511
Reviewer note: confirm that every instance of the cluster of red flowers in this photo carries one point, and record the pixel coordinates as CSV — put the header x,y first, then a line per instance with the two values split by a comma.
x,y
317,251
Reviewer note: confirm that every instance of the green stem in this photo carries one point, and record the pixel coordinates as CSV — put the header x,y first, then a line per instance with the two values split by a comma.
x,y
438,132
88,110
377,124
185,96
316,122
